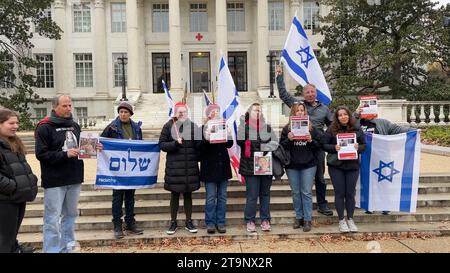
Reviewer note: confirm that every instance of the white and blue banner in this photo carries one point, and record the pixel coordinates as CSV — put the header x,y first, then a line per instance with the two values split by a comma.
x,y
127,164
170,103
301,62
389,178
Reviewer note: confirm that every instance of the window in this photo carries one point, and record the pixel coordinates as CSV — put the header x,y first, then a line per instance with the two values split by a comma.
x,y
118,69
311,14
160,18
274,63
83,70
237,62
82,17
7,66
44,71
46,15
199,18
235,17
118,17
40,113
276,15
161,71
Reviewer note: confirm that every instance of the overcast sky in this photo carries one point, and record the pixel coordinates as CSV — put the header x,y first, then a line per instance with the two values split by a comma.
x,y
443,2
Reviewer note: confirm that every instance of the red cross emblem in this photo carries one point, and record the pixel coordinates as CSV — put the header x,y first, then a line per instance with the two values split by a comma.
x,y
198,36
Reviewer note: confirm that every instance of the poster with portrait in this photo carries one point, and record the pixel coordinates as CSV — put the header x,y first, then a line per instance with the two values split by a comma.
x,y
218,131
347,143
88,142
369,107
263,163
300,127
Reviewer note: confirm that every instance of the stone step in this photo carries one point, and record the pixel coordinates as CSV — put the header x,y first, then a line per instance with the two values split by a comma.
x,y
160,193
161,220
233,204
91,238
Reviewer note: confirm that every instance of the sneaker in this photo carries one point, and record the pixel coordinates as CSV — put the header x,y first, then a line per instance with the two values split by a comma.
x,y
134,230
298,223
221,229
386,212
307,226
369,212
118,232
325,211
251,227
343,227
351,225
265,225
190,227
211,229
172,228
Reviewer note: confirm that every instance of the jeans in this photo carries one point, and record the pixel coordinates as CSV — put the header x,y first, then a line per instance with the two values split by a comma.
x,y
321,186
301,182
60,213
11,216
257,186
344,183
216,203
118,198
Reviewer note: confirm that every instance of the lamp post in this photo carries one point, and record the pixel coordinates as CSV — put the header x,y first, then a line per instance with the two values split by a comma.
x,y
122,61
271,58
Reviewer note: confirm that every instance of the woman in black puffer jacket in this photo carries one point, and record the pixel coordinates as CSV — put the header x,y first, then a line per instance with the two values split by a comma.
x,y
181,139
18,184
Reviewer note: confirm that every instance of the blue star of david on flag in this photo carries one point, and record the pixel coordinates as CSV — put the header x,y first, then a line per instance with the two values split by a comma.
x,y
379,171
306,57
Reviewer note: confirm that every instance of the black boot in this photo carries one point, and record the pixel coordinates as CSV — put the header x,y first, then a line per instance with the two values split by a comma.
x,y
298,223
133,229
118,231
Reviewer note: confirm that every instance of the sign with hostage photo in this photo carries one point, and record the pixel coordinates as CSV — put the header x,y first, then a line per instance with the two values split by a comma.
x,y
263,163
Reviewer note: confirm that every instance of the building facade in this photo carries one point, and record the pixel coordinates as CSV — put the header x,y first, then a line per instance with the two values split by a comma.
x,y
179,41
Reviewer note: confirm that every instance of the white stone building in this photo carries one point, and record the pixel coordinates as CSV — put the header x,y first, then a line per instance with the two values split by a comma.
x,y
179,41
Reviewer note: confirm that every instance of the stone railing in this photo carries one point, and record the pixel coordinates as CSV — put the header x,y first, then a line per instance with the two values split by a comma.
x,y
415,113
90,121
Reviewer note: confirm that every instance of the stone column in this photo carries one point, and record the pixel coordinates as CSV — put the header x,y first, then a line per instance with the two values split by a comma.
x,y
100,57
61,82
133,46
262,29
221,30
175,47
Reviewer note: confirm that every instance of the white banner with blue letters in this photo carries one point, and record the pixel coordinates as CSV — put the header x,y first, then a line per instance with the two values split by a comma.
x,y
127,164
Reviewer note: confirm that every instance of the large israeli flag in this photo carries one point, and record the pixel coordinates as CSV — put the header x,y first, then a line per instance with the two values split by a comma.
x,y
389,178
169,99
127,164
301,62
228,100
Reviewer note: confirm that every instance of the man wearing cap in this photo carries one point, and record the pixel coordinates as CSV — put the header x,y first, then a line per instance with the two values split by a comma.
x,y
124,128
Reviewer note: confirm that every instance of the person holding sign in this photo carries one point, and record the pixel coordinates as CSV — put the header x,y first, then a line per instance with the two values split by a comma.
x,y
255,135
181,139
344,173
302,167
215,171
124,128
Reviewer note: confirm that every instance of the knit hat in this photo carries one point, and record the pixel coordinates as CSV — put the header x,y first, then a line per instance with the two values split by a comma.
x,y
125,105
178,105
210,108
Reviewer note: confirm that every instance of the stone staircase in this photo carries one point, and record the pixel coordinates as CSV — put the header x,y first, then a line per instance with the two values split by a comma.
x,y
94,227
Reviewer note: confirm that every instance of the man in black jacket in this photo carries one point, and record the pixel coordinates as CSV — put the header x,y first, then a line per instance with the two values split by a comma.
x,y
62,173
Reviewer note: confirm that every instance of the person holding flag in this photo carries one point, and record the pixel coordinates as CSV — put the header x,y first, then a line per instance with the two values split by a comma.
x,y
302,65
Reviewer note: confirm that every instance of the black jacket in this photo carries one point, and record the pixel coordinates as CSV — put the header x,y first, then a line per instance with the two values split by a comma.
x,y
56,168
114,130
18,184
257,140
181,173
329,145
215,162
302,153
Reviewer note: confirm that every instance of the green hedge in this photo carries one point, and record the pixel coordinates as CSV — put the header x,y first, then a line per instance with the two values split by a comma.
x,y
439,135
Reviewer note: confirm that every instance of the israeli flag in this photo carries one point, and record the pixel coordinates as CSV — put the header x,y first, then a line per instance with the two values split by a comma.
x,y
127,164
389,172
228,100
298,56
207,100
169,99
